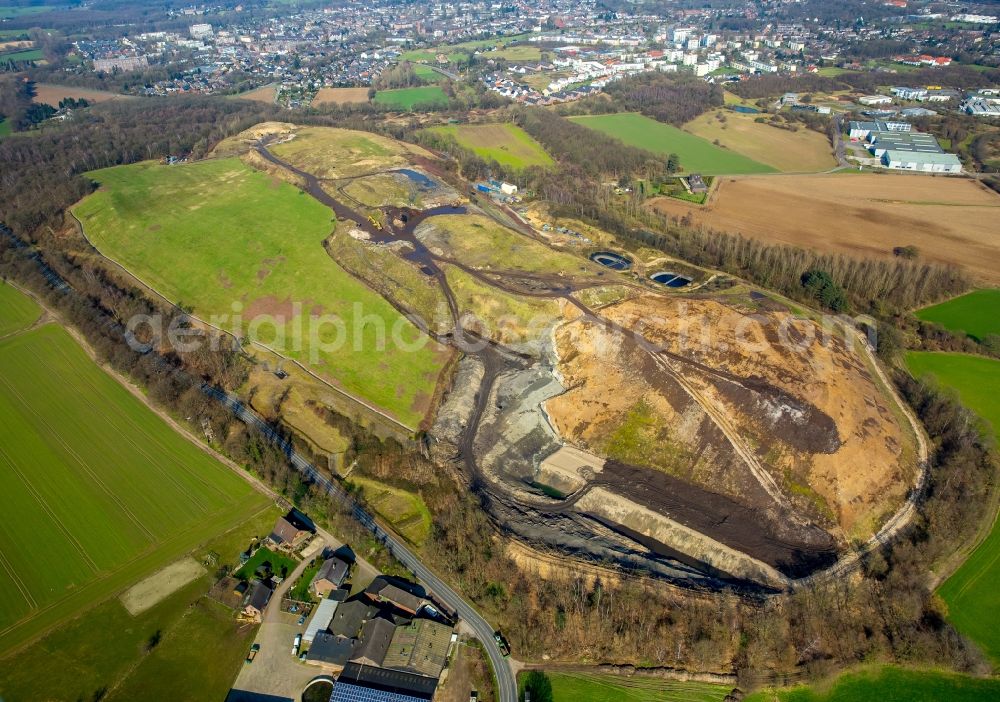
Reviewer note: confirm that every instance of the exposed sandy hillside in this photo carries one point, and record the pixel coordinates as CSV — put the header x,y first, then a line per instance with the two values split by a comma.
x,y
733,407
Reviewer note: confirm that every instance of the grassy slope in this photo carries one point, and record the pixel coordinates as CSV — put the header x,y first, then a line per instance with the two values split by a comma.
x,y
215,234
406,98
586,687
971,593
406,511
800,151
28,55
696,154
17,311
977,313
92,500
507,144
102,647
890,684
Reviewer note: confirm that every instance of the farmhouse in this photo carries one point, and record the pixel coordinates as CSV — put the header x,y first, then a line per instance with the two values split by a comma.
x,y
330,649
923,162
376,635
330,576
290,531
697,183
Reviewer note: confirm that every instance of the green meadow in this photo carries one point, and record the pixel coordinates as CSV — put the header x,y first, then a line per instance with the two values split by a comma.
x,y
696,154
971,593
5,128
27,55
507,144
595,687
17,311
96,490
889,684
976,313
232,242
408,98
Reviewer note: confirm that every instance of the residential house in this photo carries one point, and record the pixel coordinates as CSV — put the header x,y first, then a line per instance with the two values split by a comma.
x,y
257,598
330,576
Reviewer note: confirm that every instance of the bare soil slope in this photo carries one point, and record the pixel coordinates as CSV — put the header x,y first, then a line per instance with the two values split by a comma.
x,y
751,403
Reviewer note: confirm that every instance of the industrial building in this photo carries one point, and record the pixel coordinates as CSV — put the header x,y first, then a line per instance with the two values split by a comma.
x,y
922,162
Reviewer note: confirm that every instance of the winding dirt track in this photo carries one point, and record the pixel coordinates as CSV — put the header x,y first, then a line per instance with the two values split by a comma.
x,y
497,359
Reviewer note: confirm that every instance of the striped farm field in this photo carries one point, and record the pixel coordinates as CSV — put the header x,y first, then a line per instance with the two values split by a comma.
x,y
96,490
17,311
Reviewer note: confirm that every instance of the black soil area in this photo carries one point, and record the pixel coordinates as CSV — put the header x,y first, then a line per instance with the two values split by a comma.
x,y
794,550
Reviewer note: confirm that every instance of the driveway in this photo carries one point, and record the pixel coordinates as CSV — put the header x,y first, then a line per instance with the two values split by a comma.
x,y
275,672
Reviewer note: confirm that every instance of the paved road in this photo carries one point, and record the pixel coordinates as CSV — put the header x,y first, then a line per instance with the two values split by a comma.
x,y
506,684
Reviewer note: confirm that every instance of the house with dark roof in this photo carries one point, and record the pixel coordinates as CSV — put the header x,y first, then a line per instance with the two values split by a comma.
x,y
381,590
257,598
362,683
289,531
350,616
330,576
330,650
376,635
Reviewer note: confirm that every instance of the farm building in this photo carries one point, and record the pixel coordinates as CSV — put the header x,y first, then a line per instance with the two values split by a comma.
x,y
330,649
922,162
324,614
376,635
419,647
259,595
360,682
382,591
330,576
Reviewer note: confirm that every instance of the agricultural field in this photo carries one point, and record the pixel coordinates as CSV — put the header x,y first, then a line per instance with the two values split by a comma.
x,y
94,500
696,154
52,94
949,220
971,590
265,93
801,151
93,656
340,96
246,248
507,144
29,55
404,510
976,313
408,98
17,310
595,687
889,684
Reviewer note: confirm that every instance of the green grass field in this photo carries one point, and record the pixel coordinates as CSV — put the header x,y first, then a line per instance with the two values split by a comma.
x,y
96,489
5,128
281,565
696,154
976,313
17,311
426,73
28,55
889,684
971,593
406,511
507,144
407,98
594,687
105,646
226,239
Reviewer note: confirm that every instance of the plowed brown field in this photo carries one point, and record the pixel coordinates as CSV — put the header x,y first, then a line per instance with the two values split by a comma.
x,y
950,220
